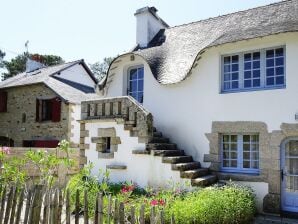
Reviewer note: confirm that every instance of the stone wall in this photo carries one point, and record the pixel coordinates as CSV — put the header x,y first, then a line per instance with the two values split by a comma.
x,y
22,100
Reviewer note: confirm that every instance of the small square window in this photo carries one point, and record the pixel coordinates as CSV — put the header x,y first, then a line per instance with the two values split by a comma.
x,y
240,153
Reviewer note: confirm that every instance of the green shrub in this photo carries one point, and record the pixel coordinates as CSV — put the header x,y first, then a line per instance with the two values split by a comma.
x,y
227,205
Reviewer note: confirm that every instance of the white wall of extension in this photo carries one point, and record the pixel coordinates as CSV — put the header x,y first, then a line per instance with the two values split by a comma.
x,y
145,170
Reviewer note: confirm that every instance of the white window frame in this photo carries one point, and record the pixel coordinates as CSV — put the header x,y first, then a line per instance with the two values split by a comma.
x,y
263,85
239,168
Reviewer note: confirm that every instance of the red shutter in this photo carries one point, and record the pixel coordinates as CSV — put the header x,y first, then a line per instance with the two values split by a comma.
x,y
46,143
37,110
3,101
56,109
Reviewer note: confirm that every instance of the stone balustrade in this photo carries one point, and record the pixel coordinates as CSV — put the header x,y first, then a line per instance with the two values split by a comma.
x,y
124,109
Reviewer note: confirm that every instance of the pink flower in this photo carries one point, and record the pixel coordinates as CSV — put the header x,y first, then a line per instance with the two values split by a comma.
x,y
154,202
5,150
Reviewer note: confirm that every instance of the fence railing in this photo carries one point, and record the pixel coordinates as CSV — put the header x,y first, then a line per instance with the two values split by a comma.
x,y
53,206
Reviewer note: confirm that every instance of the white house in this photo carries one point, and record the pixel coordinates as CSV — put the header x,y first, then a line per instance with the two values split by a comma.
x,y
213,100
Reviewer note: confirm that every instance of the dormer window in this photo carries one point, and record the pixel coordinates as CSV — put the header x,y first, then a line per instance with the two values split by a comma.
x,y
136,83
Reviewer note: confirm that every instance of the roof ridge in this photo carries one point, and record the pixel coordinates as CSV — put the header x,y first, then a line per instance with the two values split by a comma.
x,y
50,66
228,14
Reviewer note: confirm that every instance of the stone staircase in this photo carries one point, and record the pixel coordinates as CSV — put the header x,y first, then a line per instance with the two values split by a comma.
x,y
189,169
136,119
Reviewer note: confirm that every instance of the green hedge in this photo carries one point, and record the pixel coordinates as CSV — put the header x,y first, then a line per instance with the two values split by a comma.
x,y
228,204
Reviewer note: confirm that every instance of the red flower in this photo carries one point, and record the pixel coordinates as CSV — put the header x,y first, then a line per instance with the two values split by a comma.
x,y
161,202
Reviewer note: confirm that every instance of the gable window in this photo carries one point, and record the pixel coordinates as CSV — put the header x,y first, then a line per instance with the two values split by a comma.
x,y
48,110
255,70
136,83
240,153
3,101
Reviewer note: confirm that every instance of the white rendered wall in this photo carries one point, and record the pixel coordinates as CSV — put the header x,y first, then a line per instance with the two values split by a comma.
x,y
185,111
145,170
78,74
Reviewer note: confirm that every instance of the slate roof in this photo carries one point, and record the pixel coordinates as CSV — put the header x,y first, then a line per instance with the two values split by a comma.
x,y
172,53
67,91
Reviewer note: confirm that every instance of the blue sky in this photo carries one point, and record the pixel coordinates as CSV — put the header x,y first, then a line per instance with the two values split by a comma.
x,y
94,29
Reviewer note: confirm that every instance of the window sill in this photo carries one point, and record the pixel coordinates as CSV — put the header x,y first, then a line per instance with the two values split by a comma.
x,y
240,176
252,89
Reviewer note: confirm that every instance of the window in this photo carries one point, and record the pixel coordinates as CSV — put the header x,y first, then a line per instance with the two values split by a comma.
x,y
3,101
136,83
262,69
107,144
240,153
48,110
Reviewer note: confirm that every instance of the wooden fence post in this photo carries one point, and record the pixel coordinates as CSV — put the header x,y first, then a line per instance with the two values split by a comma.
x,y
8,205
60,206
121,213
20,207
14,204
2,204
55,207
162,218
67,207
116,212
152,215
142,214
132,215
77,209
45,217
36,205
28,205
100,209
109,209
86,216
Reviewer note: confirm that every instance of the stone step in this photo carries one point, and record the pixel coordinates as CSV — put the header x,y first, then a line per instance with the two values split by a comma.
x,y
161,146
157,134
168,152
140,152
128,127
191,174
186,166
177,159
130,123
204,181
159,140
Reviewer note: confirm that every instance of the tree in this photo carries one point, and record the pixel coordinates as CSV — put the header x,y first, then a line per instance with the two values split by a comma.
x,y
2,55
18,64
100,69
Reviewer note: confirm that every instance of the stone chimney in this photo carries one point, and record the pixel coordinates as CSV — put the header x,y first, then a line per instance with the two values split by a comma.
x,y
148,25
32,65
